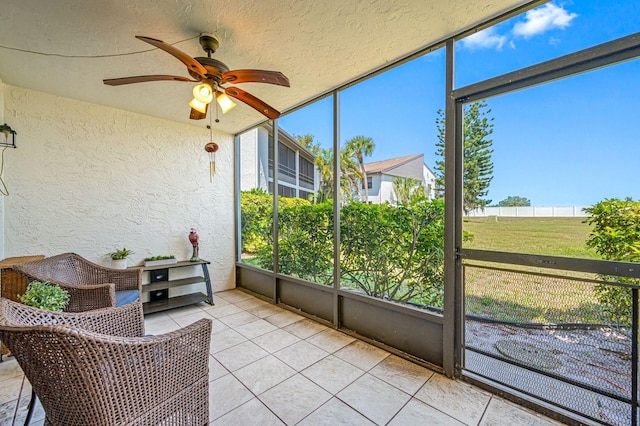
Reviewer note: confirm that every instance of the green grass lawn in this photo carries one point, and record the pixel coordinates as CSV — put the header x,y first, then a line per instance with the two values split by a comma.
x,y
530,298
555,236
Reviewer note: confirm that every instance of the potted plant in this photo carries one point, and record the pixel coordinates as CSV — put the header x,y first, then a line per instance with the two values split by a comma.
x,y
119,258
160,260
44,295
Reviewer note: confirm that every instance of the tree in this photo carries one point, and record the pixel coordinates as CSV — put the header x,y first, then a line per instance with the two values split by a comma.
x,y
308,141
361,146
350,176
405,188
478,167
515,201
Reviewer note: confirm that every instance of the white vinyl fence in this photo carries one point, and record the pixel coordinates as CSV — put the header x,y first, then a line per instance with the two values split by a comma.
x,y
571,211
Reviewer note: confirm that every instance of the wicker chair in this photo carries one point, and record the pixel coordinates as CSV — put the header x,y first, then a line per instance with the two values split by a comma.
x,y
90,285
95,368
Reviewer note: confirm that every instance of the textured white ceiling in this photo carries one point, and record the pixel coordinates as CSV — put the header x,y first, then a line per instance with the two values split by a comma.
x,y
317,44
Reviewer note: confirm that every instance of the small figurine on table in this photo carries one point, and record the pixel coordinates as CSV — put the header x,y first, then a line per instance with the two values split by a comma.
x,y
193,237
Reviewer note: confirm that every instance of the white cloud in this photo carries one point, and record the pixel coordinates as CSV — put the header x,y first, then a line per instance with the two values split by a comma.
x,y
542,19
485,39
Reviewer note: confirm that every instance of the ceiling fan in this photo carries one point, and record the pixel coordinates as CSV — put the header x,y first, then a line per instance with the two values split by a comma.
x,y
212,75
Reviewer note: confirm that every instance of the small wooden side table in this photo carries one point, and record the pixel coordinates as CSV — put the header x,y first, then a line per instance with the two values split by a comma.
x,y
12,283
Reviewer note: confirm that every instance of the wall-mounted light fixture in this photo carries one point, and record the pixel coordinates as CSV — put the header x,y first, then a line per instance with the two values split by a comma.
x,y
9,134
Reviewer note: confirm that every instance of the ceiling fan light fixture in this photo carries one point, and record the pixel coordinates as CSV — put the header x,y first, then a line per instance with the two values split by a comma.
x,y
203,93
198,106
225,102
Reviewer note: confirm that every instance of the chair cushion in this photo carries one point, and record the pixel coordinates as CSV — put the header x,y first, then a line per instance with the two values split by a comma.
x,y
126,296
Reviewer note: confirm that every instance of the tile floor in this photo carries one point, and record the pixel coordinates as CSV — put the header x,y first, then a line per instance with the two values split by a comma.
x,y
269,366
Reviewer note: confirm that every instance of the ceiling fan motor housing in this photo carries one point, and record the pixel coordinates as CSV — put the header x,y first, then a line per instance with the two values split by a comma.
x,y
209,43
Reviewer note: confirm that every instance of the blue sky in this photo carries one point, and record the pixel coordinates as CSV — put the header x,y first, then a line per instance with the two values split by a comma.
x,y
570,142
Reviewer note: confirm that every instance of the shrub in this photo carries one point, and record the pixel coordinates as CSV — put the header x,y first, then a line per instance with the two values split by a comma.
x,y
390,252
256,217
256,207
616,236
305,242
396,253
43,295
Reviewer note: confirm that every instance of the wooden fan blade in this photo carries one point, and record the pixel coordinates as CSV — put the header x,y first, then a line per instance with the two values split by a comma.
x,y
255,103
191,63
255,76
197,115
143,78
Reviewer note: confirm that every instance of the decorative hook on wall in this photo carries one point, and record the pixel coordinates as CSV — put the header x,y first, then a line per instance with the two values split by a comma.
x,y
211,148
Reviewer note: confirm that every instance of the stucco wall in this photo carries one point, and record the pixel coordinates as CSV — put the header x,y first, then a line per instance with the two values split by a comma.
x,y
249,160
2,256
89,179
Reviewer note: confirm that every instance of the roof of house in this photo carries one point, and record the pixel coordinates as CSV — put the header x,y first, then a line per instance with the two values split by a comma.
x,y
385,165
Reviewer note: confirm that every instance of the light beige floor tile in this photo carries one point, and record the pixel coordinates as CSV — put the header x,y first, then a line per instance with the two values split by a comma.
x,y
23,409
7,411
236,320
185,310
403,374
336,413
255,329
9,367
305,328
225,394
240,355
234,296
276,340
300,355
375,399
331,340
223,311
362,355
156,317
10,388
264,374
217,301
294,399
225,340
332,373
161,327
418,413
250,303
284,318
266,311
457,399
185,320
501,412
216,369
252,413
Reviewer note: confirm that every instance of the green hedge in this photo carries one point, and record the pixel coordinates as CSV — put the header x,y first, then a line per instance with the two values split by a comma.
x,y
388,252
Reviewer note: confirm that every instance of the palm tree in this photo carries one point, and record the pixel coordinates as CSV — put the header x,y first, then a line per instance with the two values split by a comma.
x,y
324,161
349,175
361,146
405,187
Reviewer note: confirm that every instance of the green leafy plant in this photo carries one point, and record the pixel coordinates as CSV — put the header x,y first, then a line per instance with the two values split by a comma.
x,y
120,254
616,236
148,259
44,295
389,252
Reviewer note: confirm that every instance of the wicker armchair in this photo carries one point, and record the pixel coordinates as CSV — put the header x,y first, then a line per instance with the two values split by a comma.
x,y
95,368
90,285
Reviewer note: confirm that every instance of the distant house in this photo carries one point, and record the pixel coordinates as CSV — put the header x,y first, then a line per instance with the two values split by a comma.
x,y
297,174
380,175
